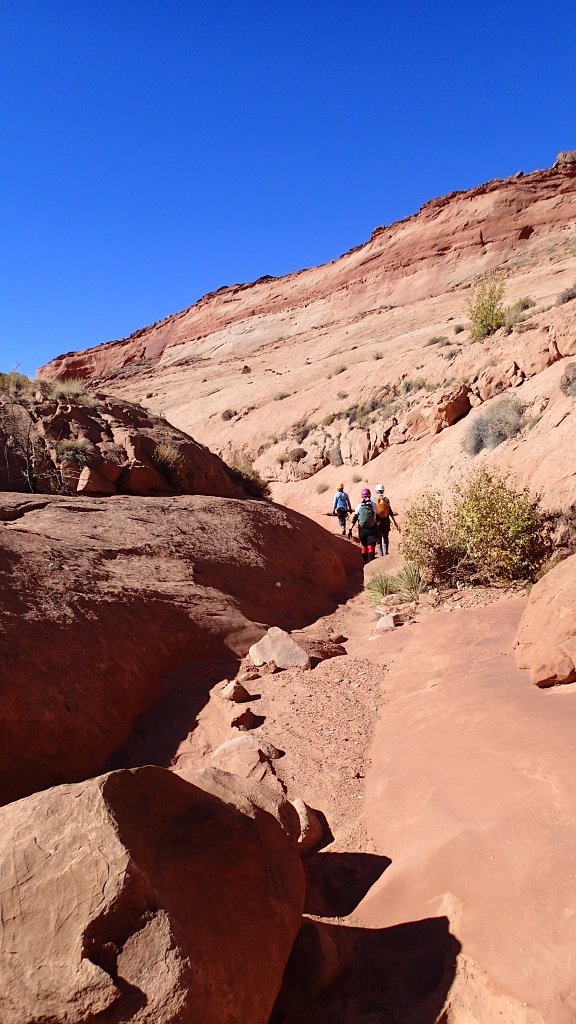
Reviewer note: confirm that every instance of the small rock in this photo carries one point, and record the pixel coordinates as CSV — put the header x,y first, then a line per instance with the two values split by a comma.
x,y
235,692
247,720
246,675
278,646
270,668
338,638
247,742
388,622
311,828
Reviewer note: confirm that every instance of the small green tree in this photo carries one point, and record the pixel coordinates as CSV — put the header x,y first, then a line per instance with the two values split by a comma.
x,y
484,305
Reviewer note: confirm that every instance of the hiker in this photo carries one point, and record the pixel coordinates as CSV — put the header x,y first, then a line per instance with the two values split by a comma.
x,y
341,507
366,517
385,514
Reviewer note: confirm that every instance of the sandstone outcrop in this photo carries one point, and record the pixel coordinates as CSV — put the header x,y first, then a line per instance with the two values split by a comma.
x,y
53,444
140,896
546,639
109,605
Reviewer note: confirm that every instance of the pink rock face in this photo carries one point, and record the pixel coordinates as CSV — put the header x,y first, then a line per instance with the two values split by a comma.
x,y
143,897
546,639
101,599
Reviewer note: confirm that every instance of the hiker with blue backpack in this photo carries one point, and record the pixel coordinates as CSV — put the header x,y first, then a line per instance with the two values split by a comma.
x,y
341,507
367,518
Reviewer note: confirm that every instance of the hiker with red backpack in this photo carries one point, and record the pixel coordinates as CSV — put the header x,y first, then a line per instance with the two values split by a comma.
x,y
384,515
366,516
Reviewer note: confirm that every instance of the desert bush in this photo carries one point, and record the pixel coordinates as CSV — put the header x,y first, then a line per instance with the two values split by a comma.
x,y
168,459
321,488
75,449
72,390
341,394
340,369
17,385
566,296
336,456
380,586
429,540
249,477
458,328
328,420
297,454
300,430
490,532
356,478
228,414
376,356
408,582
500,527
437,339
568,381
280,396
484,305
515,313
494,425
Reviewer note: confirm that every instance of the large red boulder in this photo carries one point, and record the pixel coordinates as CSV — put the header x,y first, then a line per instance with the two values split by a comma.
x,y
142,897
109,605
546,639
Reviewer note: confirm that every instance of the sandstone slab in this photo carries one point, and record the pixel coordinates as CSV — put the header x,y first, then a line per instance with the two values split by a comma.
x,y
121,897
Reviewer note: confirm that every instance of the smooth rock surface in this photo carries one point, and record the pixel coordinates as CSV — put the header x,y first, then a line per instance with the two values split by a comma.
x,y
546,639
140,897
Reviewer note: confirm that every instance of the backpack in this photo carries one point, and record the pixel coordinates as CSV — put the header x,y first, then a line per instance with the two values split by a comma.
x,y
383,507
366,515
341,501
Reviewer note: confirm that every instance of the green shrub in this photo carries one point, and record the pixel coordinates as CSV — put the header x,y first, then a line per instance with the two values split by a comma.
x,y
566,296
490,532
494,425
328,420
253,483
502,528
321,488
380,586
408,582
356,478
484,306
429,540
75,449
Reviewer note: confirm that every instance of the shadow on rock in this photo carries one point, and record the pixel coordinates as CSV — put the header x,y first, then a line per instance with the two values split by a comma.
x,y
397,975
157,734
337,882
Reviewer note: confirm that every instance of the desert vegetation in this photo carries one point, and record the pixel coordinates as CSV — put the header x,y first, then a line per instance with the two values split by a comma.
x,y
406,584
484,306
568,381
167,458
485,531
566,296
78,450
494,425
245,473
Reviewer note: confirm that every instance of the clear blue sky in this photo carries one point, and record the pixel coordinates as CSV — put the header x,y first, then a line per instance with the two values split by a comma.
x,y
153,151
